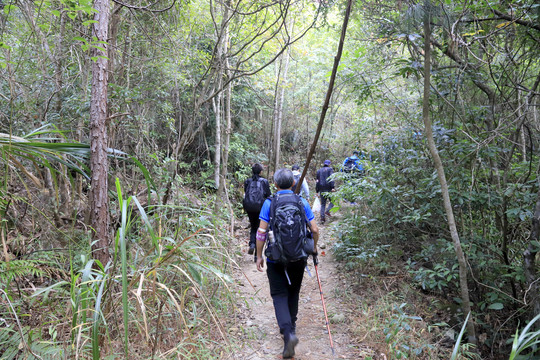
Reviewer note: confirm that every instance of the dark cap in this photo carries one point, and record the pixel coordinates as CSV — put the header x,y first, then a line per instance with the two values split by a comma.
x,y
295,167
327,162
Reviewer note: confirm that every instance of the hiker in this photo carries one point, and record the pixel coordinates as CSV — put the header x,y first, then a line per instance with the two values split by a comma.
x,y
286,216
353,165
256,190
304,190
323,187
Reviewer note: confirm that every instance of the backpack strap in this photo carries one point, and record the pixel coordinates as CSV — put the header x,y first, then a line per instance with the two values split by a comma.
x,y
273,203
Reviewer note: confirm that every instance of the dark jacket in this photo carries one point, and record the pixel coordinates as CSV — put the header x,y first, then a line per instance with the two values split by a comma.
x,y
323,185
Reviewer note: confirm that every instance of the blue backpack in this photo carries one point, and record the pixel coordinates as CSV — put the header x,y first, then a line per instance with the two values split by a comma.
x,y
353,164
349,165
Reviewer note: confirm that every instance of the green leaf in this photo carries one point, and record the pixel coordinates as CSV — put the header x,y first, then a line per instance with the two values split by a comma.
x,y
496,306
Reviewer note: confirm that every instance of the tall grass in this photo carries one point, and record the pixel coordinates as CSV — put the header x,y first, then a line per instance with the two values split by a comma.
x,y
163,295
154,276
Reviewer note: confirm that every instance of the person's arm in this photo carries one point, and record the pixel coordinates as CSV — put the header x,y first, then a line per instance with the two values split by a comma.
x,y
305,188
315,233
262,235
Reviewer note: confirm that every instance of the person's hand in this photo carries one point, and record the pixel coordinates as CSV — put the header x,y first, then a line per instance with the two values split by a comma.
x,y
333,190
260,263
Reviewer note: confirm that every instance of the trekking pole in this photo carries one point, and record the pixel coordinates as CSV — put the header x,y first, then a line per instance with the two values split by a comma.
x,y
315,263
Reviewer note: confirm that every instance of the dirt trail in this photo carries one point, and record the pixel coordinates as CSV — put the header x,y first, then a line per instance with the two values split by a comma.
x,y
256,321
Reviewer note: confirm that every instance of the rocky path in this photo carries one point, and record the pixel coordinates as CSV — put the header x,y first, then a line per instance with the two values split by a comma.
x,y
256,328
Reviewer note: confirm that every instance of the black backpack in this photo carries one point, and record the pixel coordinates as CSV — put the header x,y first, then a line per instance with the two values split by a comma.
x,y
254,196
288,222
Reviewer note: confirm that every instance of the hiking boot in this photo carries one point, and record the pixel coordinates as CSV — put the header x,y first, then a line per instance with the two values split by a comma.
x,y
327,213
255,258
290,343
322,220
251,249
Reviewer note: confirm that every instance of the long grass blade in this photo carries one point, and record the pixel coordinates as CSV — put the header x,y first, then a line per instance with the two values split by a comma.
x,y
458,340
525,340
149,181
96,319
149,228
123,256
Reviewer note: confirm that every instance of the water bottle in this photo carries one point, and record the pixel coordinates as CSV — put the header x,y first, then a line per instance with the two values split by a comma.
x,y
271,237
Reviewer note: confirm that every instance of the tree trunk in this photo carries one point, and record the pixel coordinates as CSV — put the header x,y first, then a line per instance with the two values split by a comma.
x,y
466,304
529,256
324,110
221,194
278,108
227,139
216,105
99,165
529,262
59,61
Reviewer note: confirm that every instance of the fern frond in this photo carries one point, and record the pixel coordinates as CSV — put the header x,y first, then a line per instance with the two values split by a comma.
x,y
19,268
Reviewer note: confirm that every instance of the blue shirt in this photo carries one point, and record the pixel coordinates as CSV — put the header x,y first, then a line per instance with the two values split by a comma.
x,y
265,211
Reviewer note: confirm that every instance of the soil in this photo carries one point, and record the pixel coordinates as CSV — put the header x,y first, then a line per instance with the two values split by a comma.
x,y
256,328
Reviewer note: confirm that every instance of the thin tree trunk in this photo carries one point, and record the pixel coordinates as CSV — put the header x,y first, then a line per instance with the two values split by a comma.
x,y
273,137
466,303
529,256
227,139
59,61
529,262
337,58
216,105
222,192
278,109
99,165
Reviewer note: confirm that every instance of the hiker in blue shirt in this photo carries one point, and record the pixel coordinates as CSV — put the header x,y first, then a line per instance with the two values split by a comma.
x,y
352,164
285,280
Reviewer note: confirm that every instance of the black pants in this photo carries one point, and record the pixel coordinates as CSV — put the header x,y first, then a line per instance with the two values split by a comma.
x,y
286,296
324,198
254,221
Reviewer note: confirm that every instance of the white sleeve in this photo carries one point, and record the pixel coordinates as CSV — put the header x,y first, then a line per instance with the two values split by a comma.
x,y
305,188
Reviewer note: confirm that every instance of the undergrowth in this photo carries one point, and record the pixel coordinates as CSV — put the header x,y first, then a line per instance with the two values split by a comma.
x,y
162,295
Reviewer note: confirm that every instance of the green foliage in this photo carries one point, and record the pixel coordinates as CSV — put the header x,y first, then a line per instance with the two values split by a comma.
x,y
243,153
10,270
440,277
528,341
11,342
399,214
397,331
